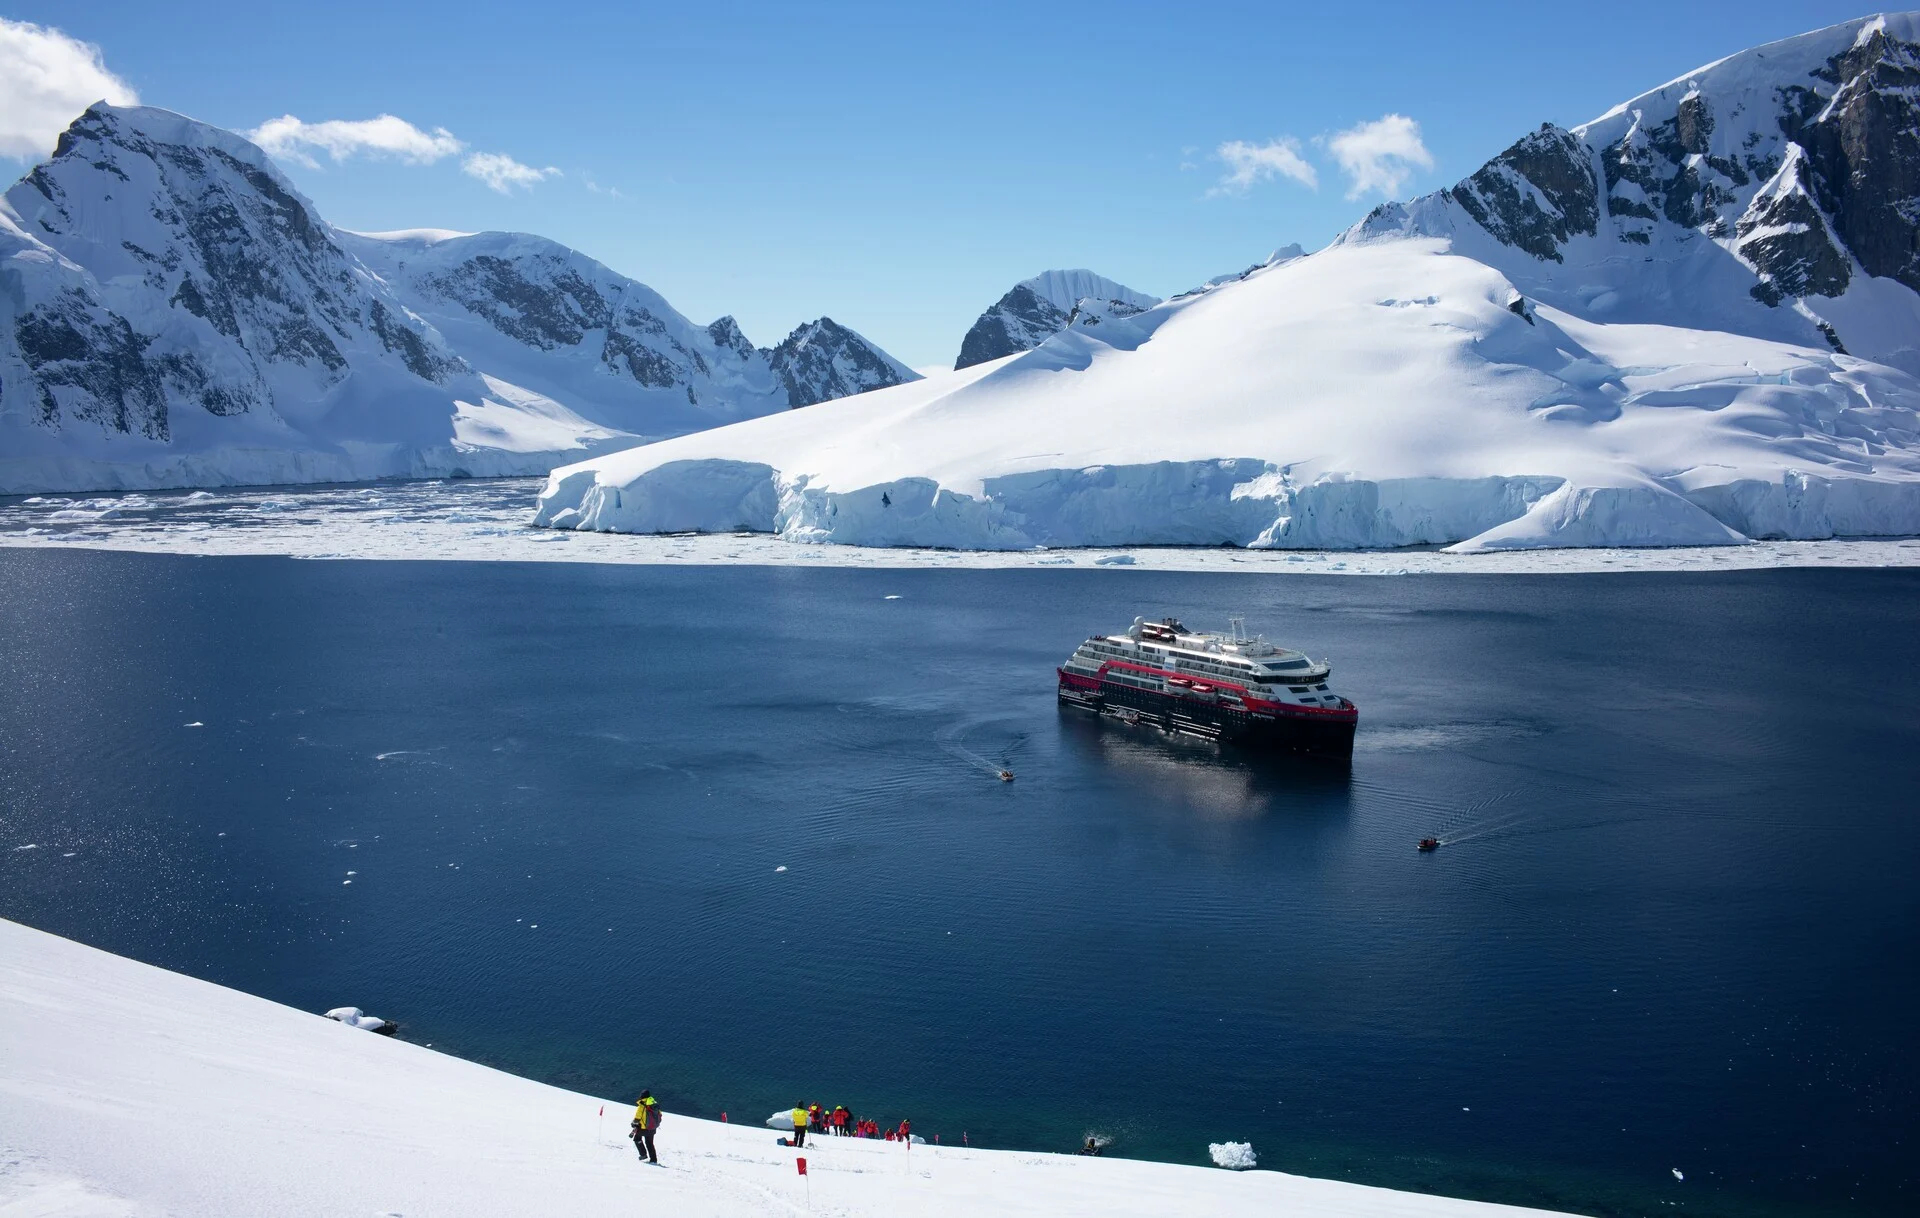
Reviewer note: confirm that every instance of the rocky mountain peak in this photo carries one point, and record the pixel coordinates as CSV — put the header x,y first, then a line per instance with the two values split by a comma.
x,y
190,273
822,360
1035,309
1786,176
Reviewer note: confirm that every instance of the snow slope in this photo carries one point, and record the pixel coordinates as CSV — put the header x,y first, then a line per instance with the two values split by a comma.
x,y
1384,393
1683,324
174,313
1035,309
128,1092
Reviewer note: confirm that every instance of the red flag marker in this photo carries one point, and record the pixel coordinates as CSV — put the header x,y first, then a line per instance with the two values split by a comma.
x,y
603,1110
802,1165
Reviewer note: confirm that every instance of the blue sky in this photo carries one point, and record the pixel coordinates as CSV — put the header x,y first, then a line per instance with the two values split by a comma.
x,y
899,166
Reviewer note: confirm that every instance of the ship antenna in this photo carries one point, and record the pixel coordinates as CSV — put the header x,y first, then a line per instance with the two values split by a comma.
x,y
1237,626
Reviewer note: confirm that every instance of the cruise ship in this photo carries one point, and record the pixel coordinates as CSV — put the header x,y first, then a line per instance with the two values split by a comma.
x,y
1221,686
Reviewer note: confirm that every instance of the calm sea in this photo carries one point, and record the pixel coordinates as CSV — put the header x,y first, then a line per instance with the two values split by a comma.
x,y
736,835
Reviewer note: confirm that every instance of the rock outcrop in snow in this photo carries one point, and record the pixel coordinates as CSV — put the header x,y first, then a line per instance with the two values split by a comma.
x,y
1611,336
174,313
1036,309
823,360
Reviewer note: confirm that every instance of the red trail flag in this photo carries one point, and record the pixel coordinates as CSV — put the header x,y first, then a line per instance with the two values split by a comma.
x,y
802,1165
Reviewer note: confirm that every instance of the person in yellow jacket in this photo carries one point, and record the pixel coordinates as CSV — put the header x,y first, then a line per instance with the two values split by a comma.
x,y
646,1119
800,1124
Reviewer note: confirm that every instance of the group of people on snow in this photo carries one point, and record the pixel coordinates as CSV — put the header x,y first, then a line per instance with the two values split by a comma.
x,y
837,1121
841,1123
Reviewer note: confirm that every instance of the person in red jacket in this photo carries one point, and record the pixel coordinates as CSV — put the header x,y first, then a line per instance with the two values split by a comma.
x,y
906,1132
840,1115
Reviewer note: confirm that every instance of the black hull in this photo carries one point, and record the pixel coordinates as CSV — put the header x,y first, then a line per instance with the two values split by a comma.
x,y
1312,735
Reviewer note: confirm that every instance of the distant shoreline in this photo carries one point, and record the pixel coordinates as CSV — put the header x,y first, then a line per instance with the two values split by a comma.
x,y
485,520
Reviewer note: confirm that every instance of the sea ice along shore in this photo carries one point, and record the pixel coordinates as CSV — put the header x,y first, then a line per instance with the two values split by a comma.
x,y
485,520
132,1091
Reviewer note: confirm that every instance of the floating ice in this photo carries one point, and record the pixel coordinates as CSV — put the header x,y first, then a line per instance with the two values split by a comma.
x,y
1237,1156
354,1017
1677,1173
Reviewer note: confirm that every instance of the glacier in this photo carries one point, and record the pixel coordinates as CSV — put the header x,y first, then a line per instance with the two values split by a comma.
x,y
1691,322
1376,394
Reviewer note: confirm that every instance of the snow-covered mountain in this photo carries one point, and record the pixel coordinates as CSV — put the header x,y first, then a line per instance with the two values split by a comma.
x,y
1524,360
542,315
823,360
174,313
1774,193
1036,309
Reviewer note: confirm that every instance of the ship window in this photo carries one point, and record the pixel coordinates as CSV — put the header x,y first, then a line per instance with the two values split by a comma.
x,y
1321,688
1298,689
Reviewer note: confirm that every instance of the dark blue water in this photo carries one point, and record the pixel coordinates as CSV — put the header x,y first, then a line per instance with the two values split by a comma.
x,y
1676,924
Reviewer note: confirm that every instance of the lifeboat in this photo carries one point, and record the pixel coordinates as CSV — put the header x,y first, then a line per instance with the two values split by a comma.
x,y
1429,844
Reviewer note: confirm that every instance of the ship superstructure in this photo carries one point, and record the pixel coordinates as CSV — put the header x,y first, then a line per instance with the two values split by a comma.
x,y
1225,686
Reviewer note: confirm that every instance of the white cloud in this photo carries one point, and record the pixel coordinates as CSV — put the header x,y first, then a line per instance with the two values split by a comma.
x,y
290,139
46,80
503,173
1248,164
594,186
1379,155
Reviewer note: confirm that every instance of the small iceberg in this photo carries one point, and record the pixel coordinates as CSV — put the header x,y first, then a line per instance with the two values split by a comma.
x,y
354,1017
1235,1156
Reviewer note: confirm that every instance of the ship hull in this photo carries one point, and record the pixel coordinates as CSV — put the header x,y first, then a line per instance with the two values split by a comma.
x,y
1323,734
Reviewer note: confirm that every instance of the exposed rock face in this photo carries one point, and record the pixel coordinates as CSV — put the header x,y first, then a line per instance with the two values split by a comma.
x,y
726,333
823,360
1785,238
1786,177
1858,124
1036,309
1536,194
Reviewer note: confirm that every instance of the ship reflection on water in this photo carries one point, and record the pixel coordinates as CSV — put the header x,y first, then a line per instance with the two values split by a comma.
x,y
1204,778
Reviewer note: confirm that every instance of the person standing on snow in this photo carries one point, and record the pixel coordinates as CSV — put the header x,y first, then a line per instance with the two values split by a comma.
x,y
840,1120
646,1119
799,1124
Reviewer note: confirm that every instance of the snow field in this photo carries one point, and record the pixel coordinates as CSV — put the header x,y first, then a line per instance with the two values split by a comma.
x,y
1376,394
129,1091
